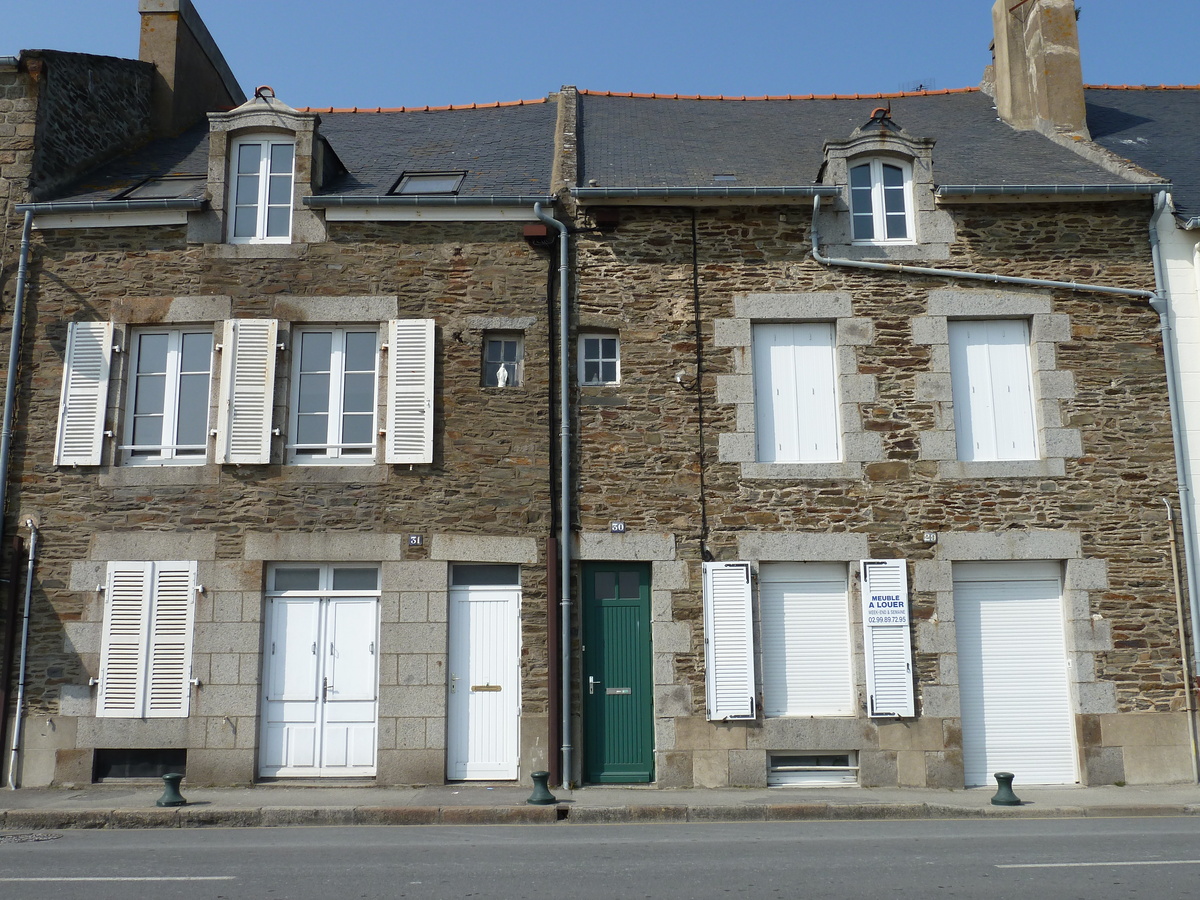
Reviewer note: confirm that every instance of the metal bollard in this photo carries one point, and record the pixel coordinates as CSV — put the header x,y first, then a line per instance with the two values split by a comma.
x,y
1005,796
171,795
541,795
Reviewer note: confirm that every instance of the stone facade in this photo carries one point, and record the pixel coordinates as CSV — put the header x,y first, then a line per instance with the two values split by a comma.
x,y
1092,501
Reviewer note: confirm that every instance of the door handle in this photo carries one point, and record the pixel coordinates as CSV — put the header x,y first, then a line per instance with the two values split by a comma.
x,y
454,684
592,682
325,686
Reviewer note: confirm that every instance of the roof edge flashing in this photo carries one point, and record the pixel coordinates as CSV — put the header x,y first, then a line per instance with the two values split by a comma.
x,y
323,201
110,206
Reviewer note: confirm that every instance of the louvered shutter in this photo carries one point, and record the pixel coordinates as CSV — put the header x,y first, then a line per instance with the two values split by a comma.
x,y
122,653
795,393
247,391
886,640
728,641
410,391
170,654
84,394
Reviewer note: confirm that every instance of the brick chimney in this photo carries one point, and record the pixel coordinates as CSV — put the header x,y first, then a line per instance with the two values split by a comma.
x,y
192,76
1038,79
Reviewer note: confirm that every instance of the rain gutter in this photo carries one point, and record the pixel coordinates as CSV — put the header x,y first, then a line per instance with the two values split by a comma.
x,y
987,190
110,206
704,193
329,201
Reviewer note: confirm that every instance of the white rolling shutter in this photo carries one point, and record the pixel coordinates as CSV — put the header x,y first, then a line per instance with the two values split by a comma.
x,y
992,389
122,653
728,641
805,639
887,644
170,640
247,391
795,393
146,654
410,391
84,394
1014,686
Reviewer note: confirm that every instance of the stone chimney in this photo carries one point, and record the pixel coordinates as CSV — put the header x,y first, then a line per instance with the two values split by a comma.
x,y
1038,79
192,76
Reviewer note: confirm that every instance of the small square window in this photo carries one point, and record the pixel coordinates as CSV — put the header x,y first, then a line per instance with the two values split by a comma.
x,y
599,359
503,358
429,183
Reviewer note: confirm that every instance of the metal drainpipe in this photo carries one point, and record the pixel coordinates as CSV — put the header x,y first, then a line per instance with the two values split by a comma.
x,y
564,487
1156,300
16,739
14,355
1187,669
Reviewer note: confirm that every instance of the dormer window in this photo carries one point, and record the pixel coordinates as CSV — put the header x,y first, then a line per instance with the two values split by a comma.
x,y
262,189
881,202
429,183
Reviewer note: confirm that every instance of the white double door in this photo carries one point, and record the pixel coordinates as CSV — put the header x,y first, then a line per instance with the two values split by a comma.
x,y
484,696
321,677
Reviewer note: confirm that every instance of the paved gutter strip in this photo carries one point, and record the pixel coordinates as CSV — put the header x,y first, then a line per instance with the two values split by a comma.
x,y
289,816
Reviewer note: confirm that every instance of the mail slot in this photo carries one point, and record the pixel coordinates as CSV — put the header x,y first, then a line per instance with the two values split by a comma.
x,y
485,687
618,690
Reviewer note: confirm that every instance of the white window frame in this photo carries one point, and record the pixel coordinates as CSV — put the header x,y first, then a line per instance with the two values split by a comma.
x,y
796,403
599,358
995,416
877,199
515,370
146,649
333,451
169,451
261,201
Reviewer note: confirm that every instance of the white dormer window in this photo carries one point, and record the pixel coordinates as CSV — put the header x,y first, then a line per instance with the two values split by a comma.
x,y
262,171
881,202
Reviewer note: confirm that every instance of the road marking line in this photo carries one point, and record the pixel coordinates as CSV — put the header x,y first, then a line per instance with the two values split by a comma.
x,y
132,878
1088,865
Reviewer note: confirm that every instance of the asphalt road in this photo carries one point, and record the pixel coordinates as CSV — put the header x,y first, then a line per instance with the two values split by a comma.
x,y
1060,859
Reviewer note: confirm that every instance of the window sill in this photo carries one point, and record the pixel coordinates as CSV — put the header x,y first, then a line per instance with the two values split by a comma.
x,y
143,475
1054,467
255,251
803,471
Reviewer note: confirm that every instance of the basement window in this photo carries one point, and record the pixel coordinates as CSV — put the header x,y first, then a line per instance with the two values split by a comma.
x,y
429,183
121,763
812,769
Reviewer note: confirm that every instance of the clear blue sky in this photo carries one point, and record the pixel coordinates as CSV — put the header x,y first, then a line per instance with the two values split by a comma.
x,y
371,53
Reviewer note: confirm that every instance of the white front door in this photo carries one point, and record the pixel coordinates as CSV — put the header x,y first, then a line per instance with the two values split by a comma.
x,y
320,673
1012,670
484,695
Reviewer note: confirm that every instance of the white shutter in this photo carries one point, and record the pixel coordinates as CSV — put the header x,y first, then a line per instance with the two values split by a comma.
x,y
795,392
728,641
1014,689
805,640
170,654
992,389
887,644
122,652
247,391
84,394
410,391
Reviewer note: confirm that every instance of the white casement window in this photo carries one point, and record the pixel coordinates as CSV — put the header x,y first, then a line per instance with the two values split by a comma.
x,y
261,171
881,207
503,359
992,389
84,399
166,417
728,641
806,647
146,650
599,359
334,378
887,644
795,393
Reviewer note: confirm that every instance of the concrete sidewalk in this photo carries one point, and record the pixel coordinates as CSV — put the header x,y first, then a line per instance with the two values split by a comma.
x,y
276,804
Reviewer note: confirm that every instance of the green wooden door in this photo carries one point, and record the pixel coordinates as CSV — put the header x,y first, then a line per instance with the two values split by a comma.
x,y
618,703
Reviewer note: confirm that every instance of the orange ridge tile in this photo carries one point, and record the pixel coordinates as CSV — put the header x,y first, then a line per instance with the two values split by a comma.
x,y
881,96
1143,87
400,109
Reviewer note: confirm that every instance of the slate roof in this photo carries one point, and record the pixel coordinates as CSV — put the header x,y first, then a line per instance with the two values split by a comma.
x,y
506,149
1156,128
649,141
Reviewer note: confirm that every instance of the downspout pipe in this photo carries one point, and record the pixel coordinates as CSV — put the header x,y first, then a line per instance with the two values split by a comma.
x,y
16,738
14,354
564,484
